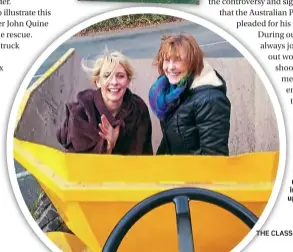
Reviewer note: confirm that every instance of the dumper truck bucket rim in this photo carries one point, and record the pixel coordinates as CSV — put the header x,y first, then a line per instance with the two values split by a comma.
x,y
181,198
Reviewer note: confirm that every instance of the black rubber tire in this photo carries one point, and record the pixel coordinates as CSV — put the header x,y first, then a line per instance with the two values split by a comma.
x,y
47,216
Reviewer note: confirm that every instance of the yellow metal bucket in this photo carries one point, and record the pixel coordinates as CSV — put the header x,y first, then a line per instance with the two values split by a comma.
x,y
93,192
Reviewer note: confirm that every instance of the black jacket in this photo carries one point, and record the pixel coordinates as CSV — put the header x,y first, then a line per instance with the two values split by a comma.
x,y
201,123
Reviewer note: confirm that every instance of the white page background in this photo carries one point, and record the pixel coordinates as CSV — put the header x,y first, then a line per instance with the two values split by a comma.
x,y
15,233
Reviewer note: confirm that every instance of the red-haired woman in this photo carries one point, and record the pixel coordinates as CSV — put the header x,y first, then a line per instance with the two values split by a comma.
x,y
189,98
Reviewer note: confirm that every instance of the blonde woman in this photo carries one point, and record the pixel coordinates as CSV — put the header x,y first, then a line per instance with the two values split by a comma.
x,y
110,118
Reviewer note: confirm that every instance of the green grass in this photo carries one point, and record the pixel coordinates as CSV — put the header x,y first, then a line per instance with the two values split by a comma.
x,y
128,21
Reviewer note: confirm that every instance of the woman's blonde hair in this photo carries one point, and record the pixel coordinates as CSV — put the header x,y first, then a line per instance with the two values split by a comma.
x,y
105,65
170,46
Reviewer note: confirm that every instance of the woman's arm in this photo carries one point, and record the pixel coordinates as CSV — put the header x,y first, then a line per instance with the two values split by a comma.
x,y
148,147
78,133
213,120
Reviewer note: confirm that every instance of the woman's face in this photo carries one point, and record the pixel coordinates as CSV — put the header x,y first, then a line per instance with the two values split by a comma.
x,y
176,67
114,89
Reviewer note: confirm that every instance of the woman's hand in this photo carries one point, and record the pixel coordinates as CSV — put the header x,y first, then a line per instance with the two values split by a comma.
x,y
109,133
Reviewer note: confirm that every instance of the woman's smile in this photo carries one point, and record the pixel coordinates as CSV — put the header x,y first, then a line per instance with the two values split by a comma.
x,y
114,90
173,73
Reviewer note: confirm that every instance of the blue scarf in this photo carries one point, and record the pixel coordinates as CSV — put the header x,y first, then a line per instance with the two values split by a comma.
x,y
164,97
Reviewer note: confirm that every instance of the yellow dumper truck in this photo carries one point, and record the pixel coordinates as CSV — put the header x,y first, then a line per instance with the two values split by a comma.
x,y
140,203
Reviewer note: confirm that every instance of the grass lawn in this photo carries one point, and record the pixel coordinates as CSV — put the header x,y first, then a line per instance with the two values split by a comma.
x,y
128,21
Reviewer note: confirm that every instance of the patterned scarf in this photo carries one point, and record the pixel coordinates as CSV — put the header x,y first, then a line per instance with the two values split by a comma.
x,y
164,97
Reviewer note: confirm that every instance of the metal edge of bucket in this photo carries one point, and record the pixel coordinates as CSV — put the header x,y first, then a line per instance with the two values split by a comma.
x,y
40,81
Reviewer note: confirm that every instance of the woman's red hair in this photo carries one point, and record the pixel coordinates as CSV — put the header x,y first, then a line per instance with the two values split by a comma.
x,y
170,47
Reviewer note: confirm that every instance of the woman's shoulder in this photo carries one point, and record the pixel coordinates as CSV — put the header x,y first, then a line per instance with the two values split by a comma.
x,y
84,100
86,95
208,86
208,99
82,97
208,93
